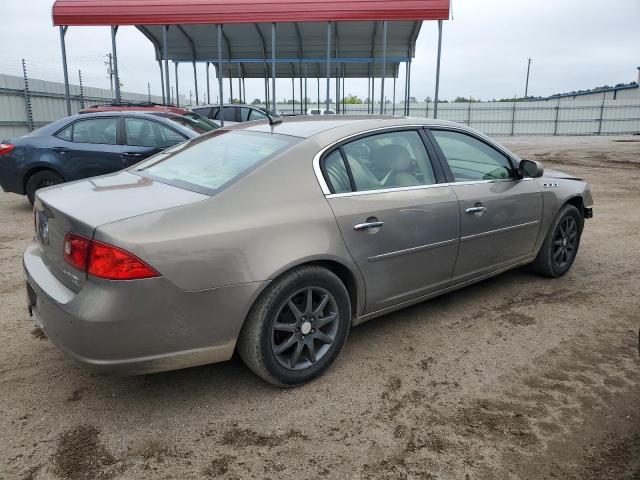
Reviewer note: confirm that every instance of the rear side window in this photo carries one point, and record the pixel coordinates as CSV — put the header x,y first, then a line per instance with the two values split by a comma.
x,y
470,159
244,114
145,133
203,111
336,173
210,163
96,130
229,114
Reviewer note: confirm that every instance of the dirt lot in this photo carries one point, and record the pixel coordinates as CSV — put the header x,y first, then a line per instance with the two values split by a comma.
x,y
515,378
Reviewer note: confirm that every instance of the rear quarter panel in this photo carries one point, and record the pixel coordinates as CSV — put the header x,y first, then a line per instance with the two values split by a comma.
x,y
268,222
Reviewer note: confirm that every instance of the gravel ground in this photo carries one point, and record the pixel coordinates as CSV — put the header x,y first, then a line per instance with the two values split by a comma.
x,y
518,377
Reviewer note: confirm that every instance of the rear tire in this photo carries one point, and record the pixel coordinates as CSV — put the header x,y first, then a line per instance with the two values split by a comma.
x,y
288,339
41,179
560,246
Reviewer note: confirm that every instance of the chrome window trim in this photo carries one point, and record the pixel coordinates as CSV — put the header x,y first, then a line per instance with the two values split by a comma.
x,y
386,190
327,191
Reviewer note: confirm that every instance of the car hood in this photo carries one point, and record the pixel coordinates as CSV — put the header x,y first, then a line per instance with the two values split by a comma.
x,y
99,200
560,175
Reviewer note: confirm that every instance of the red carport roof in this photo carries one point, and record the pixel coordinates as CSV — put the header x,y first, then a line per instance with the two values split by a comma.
x,y
192,12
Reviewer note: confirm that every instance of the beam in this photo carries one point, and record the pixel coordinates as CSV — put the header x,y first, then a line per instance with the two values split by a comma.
x,y
328,92
208,86
384,65
165,30
63,48
435,105
220,74
273,67
177,86
164,100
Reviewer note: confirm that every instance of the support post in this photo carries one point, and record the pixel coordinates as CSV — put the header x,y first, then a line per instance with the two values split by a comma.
x,y
240,94
114,30
384,65
344,104
244,91
195,80
513,116
393,107
328,64
230,85
435,100
409,90
208,86
318,82
164,98
165,55
601,116
369,92
266,85
301,89
220,87
555,123
177,85
273,67
406,89
293,92
67,96
306,93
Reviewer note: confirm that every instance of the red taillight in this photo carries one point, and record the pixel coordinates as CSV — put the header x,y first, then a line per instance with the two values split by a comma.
x,y
5,148
104,260
76,250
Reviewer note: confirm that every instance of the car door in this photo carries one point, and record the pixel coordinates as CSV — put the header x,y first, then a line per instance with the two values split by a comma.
x,y
500,211
144,137
87,147
399,218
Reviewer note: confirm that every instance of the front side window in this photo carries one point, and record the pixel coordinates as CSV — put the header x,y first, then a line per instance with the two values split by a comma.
x,y
257,115
145,133
470,159
389,160
244,114
208,164
96,130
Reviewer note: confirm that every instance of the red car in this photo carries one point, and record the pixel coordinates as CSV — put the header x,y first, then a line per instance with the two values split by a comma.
x,y
150,107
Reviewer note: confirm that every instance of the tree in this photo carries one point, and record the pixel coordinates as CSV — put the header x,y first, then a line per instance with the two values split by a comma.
x,y
465,100
412,100
256,101
352,100
428,100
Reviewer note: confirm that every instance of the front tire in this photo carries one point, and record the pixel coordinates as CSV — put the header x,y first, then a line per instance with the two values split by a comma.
x,y
297,327
560,246
41,179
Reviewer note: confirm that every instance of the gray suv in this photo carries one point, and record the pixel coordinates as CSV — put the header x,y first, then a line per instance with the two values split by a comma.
x,y
234,113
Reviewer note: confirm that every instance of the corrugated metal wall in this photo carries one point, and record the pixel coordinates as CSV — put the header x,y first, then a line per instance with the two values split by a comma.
x,y
569,117
47,102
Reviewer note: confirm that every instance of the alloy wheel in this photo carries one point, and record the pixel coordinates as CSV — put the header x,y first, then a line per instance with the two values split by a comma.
x,y
564,243
305,327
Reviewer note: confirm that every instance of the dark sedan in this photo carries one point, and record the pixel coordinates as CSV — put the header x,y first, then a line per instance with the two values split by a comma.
x,y
87,145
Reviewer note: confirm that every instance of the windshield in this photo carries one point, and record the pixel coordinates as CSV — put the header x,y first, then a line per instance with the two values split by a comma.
x,y
210,163
191,120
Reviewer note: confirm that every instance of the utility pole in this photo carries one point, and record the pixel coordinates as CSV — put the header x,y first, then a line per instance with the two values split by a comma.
x,y
81,89
526,87
110,63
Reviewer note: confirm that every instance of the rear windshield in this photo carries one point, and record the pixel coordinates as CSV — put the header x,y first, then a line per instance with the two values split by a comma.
x,y
192,121
210,163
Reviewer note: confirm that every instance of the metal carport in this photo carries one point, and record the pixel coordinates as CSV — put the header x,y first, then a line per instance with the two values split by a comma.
x,y
269,38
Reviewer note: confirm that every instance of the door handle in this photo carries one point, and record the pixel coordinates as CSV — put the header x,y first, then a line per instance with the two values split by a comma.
x,y
477,209
360,227
132,155
60,149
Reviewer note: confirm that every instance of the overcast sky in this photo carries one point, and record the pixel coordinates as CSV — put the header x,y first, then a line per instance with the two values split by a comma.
x,y
575,44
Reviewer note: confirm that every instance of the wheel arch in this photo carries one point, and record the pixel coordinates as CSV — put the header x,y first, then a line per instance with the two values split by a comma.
x,y
35,169
348,275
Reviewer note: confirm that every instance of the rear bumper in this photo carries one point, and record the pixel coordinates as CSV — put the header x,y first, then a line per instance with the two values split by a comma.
x,y
136,327
11,179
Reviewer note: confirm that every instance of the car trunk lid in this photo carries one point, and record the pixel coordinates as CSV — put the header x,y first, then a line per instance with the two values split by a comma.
x,y
63,208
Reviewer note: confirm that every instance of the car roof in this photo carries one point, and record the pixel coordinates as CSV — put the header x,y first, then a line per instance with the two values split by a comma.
x,y
305,126
238,105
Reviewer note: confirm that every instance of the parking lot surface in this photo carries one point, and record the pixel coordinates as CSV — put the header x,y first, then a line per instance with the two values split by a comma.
x,y
517,377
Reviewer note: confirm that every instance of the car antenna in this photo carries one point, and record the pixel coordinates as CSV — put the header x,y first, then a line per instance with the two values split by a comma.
x,y
273,120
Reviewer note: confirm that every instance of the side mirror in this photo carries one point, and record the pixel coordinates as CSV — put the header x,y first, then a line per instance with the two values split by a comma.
x,y
530,168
